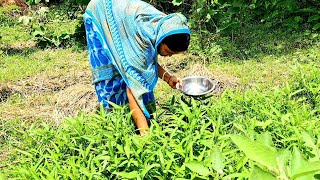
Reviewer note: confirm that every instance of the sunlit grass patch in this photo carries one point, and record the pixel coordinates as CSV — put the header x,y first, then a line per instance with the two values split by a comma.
x,y
53,62
270,70
13,34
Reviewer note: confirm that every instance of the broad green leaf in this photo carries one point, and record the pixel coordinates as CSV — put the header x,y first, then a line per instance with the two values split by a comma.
x,y
115,106
310,142
128,175
259,174
313,18
127,150
217,160
198,167
186,109
169,162
257,152
120,149
263,124
230,25
177,2
136,142
308,170
161,157
2,176
283,157
265,138
297,161
316,26
301,169
37,33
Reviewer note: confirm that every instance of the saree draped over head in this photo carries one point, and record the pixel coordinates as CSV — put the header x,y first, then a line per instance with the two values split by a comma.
x,y
122,37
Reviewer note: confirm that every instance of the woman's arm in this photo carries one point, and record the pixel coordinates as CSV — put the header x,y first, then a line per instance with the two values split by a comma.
x,y
163,74
138,116
172,80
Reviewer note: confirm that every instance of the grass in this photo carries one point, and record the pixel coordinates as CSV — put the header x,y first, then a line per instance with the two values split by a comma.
x,y
270,70
270,99
60,61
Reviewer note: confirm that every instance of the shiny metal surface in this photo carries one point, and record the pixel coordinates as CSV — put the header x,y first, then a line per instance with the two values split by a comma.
x,y
197,85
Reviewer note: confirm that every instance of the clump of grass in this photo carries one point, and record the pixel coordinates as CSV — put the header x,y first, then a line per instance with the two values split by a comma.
x,y
8,15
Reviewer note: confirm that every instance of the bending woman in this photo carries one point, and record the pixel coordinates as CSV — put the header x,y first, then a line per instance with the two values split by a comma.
x,y
124,38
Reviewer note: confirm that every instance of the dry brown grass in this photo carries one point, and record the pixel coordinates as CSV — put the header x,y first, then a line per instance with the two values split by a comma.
x,y
54,97
75,99
4,154
48,97
20,3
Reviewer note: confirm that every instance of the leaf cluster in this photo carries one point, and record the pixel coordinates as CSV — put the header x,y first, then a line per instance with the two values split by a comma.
x,y
276,132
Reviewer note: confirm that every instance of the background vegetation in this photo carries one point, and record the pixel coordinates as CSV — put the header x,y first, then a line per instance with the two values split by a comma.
x,y
262,121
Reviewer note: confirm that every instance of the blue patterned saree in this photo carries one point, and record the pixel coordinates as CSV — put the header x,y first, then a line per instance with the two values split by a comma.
x,y
122,38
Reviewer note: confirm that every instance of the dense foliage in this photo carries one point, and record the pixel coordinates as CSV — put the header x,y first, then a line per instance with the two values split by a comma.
x,y
236,136
215,16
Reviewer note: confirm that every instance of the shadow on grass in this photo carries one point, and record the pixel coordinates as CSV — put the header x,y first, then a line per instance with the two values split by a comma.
x,y
254,41
15,51
7,50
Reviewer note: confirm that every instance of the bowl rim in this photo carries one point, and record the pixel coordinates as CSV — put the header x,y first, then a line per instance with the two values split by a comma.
x,y
212,81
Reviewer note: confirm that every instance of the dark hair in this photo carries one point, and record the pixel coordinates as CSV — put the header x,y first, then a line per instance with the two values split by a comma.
x,y
177,42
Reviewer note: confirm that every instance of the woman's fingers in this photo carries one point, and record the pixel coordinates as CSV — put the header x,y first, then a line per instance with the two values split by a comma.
x,y
179,84
173,81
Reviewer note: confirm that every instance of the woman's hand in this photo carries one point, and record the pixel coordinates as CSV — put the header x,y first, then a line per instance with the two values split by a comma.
x,y
173,81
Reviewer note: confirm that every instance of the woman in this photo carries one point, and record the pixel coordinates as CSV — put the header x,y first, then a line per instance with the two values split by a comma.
x,y
124,38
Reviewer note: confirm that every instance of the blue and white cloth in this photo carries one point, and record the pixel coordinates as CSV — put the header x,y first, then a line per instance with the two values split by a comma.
x,y
122,38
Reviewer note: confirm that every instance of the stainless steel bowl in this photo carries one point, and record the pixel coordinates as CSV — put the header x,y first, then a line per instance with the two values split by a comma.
x,y
197,85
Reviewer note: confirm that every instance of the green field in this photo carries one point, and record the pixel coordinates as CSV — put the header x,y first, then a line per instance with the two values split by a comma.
x,y
262,121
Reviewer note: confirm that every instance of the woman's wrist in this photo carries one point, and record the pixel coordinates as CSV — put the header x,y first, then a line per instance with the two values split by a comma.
x,y
169,79
163,75
166,77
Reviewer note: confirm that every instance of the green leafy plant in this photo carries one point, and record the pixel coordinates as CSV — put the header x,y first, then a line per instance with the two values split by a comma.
x,y
188,139
276,161
43,25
